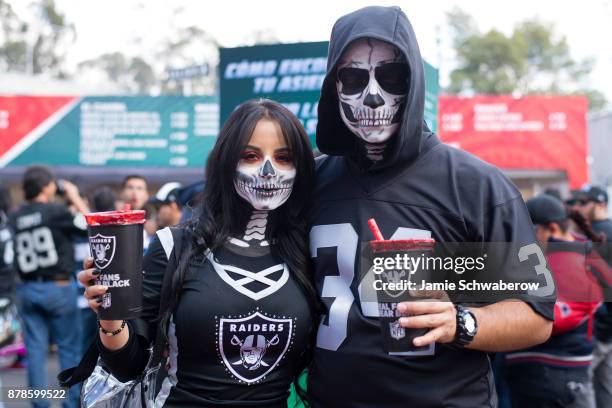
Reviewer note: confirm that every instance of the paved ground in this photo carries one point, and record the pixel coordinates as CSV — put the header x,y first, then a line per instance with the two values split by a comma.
x,y
16,377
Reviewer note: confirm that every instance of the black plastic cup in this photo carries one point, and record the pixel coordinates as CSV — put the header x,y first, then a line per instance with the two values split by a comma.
x,y
115,242
398,340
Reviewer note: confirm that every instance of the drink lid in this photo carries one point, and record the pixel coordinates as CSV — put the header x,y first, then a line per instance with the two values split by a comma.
x,y
390,245
124,217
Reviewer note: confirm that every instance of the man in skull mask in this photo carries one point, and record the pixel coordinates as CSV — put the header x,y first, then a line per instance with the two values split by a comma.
x,y
383,162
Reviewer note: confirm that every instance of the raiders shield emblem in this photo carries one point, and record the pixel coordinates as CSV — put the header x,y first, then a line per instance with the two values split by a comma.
x,y
395,276
252,346
103,250
397,332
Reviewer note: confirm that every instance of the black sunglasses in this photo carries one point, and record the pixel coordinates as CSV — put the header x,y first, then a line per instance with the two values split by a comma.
x,y
392,77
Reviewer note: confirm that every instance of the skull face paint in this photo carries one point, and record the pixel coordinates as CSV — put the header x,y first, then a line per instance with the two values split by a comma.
x,y
265,172
372,84
264,187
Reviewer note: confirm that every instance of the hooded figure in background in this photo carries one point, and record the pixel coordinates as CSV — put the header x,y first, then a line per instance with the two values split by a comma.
x,y
381,161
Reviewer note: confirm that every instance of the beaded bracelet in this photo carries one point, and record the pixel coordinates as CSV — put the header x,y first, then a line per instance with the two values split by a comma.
x,y
111,333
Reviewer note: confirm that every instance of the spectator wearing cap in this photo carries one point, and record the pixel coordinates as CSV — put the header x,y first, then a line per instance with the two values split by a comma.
x,y
593,205
573,199
189,197
556,373
169,209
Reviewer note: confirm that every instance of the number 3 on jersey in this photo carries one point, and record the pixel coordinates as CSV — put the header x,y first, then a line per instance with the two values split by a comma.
x,y
35,249
345,239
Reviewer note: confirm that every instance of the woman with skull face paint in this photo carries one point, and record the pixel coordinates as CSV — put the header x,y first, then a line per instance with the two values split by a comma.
x,y
243,306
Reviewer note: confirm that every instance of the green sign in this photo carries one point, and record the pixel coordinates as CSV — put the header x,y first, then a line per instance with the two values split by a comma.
x,y
432,89
288,73
165,131
293,75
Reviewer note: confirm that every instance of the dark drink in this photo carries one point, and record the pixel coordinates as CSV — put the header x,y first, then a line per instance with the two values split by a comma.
x,y
115,241
400,273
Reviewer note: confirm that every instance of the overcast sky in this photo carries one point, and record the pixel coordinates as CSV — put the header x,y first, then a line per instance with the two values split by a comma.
x,y
107,25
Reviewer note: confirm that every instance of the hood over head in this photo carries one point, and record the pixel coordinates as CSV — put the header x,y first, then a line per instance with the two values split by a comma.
x,y
388,24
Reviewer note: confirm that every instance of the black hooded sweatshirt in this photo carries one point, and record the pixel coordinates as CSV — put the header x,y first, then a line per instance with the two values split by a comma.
x,y
422,188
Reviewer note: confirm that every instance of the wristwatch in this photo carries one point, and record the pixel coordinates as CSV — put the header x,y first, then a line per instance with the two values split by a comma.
x,y
467,327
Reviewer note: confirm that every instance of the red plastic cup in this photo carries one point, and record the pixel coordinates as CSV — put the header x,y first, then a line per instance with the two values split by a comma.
x,y
115,242
393,288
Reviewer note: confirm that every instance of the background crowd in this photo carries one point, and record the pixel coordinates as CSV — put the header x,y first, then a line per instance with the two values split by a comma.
x,y
42,309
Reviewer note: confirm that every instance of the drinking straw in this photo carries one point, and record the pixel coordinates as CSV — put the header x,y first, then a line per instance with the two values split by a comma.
x,y
375,230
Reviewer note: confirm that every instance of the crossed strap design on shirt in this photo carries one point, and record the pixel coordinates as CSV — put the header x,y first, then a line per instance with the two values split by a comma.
x,y
248,277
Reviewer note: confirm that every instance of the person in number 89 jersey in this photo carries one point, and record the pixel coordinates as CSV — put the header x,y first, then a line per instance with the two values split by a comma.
x,y
44,261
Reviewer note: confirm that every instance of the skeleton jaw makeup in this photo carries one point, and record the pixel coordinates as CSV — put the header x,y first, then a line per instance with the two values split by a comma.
x,y
375,151
372,84
255,230
264,187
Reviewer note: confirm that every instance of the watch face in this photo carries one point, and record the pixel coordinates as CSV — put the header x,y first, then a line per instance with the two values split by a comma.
x,y
470,323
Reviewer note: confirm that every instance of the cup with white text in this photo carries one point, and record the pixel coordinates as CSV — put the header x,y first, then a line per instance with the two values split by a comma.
x,y
116,244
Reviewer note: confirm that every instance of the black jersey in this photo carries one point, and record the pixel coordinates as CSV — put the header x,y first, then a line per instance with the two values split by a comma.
x,y
422,188
6,257
43,239
603,326
237,335
605,227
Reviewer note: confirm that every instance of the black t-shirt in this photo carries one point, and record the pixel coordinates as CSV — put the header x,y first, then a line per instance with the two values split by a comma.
x,y
7,255
604,226
43,239
446,194
237,335
603,326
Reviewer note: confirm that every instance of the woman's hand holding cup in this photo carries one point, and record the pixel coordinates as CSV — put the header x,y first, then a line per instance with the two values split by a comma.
x,y
94,292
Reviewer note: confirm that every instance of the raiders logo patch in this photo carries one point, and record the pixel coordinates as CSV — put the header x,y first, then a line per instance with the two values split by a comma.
x,y
103,250
396,277
252,345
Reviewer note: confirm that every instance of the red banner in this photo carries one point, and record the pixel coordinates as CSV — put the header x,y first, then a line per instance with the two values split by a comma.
x,y
533,132
21,115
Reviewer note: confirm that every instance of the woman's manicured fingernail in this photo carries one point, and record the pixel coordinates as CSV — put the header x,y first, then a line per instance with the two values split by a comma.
x,y
96,272
99,299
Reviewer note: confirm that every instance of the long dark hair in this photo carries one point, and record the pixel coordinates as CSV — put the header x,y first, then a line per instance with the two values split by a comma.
x,y
223,213
585,226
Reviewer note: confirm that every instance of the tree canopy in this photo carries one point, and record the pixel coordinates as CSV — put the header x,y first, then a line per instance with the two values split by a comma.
x,y
534,58
38,44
